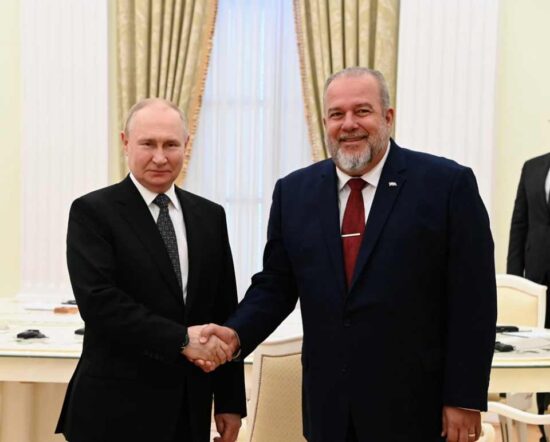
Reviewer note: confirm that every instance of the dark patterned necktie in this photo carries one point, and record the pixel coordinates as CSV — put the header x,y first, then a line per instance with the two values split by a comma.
x,y
166,229
353,226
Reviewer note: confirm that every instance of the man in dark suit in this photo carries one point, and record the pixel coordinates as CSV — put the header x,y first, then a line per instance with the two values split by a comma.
x,y
398,315
148,262
529,245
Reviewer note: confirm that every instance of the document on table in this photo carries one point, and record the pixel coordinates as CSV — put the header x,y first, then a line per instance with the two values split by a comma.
x,y
535,343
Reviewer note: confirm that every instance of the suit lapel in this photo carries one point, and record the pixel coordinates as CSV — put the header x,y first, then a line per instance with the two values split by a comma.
x,y
136,213
540,180
327,196
194,232
391,182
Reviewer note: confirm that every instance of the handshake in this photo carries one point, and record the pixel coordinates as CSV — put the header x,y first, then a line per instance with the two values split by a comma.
x,y
210,346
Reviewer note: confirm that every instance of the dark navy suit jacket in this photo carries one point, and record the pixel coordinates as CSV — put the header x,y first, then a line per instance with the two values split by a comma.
x,y
415,330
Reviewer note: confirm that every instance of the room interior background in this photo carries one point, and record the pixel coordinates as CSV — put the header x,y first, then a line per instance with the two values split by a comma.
x,y
492,88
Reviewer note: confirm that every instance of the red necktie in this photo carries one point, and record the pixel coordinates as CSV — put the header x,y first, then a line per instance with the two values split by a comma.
x,y
353,226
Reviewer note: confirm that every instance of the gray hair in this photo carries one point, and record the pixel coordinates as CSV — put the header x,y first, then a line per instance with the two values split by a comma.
x,y
148,102
358,71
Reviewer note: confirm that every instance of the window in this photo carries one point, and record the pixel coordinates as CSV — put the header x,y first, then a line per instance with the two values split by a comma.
x,y
252,127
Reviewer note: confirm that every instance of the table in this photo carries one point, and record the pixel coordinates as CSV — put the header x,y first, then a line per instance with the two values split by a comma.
x,y
527,368
34,374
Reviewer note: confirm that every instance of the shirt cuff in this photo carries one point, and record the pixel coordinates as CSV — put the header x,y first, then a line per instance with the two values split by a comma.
x,y
236,356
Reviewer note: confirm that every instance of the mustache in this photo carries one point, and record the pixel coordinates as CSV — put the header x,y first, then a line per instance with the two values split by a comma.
x,y
353,136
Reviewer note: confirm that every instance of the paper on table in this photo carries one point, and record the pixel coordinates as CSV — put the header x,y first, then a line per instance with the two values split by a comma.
x,y
530,344
41,305
535,333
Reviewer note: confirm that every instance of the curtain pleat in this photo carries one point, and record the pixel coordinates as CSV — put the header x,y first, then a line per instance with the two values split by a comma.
x,y
335,34
163,51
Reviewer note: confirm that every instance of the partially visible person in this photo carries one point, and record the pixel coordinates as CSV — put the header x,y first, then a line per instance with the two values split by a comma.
x,y
529,245
398,314
148,262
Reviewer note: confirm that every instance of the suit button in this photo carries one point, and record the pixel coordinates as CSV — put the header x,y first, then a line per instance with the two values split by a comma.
x,y
347,323
344,369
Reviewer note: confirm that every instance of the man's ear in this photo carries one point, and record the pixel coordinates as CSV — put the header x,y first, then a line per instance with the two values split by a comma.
x,y
390,115
124,140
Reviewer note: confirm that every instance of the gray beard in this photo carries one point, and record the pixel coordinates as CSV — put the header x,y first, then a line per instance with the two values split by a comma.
x,y
355,162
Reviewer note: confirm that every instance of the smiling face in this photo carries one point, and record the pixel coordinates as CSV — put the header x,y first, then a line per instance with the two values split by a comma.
x,y
154,143
356,124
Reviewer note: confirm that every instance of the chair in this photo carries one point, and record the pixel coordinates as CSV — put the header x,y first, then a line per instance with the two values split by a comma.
x,y
520,301
518,416
275,408
487,433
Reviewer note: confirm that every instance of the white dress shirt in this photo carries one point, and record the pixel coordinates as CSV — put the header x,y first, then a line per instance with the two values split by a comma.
x,y
176,215
371,177
547,185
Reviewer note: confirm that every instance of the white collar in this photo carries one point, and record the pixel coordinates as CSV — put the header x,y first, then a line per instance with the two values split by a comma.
x,y
149,196
372,176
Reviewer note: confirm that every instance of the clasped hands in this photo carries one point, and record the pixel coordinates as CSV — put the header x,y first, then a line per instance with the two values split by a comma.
x,y
210,346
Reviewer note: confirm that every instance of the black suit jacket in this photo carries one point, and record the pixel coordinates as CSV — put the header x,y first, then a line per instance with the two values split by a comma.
x,y
529,245
415,330
131,381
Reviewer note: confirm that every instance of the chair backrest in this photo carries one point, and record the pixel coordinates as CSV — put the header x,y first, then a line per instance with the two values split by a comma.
x,y
275,410
520,301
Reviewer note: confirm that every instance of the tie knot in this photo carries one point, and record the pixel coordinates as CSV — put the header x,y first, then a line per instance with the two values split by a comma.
x,y
357,184
161,200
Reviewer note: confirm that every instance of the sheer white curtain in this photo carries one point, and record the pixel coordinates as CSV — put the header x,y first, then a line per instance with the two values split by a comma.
x,y
252,127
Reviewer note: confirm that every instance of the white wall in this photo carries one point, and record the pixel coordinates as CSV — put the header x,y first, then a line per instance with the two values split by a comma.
x,y
10,130
523,105
446,82
64,147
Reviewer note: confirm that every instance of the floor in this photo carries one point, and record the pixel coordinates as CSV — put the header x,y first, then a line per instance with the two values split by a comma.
x,y
533,436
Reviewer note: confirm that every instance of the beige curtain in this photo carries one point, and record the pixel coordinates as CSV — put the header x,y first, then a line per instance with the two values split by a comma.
x,y
163,51
335,34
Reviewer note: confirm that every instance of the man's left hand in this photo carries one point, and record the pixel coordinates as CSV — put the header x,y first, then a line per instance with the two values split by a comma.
x,y
460,425
228,426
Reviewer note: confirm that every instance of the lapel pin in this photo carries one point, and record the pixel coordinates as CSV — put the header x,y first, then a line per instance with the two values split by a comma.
x,y
392,184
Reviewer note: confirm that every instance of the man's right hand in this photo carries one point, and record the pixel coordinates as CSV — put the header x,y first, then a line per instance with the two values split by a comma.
x,y
217,332
210,352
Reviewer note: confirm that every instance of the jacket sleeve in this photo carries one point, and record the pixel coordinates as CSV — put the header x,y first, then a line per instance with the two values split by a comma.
x,y
229,391
515,264
273,293
471,297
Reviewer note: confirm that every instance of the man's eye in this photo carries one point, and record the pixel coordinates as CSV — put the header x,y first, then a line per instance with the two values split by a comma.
x,y
363,112
335,115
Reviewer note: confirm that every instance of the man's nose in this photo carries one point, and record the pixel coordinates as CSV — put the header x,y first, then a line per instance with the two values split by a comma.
x,y
349,123
159,157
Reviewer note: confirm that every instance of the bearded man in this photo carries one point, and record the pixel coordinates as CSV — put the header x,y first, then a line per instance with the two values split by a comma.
x,y
390,253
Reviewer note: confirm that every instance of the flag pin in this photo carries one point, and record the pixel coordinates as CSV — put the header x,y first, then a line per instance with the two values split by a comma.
x,y
392,184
